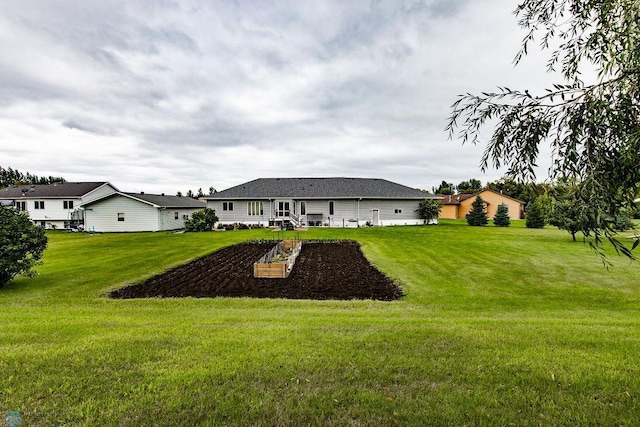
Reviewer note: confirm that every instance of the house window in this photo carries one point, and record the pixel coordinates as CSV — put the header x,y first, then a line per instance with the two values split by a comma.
x,y
67,204
39,204
121,216
254,208
398,210
185,217
227,206
176,216
303,208
21,206
331,207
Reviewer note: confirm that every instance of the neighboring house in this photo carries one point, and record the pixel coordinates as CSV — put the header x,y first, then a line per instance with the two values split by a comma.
x,y
318,202
128,212
459,205
55,205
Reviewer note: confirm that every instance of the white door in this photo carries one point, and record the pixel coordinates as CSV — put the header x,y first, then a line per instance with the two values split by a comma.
x,y
376,217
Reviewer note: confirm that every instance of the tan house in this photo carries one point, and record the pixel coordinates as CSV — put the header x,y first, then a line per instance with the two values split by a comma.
x,y
459,205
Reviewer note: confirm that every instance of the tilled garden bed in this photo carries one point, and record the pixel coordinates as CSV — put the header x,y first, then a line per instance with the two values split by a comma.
x,y
336,270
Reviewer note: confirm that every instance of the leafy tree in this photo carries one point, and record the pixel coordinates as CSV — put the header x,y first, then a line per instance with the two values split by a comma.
x,y
593,128
536,214
11,176
471,186
190,194
21,244
200,193
478,215
212,191
179,194
429,209
202,220
445,188
502,216
566,210
517,189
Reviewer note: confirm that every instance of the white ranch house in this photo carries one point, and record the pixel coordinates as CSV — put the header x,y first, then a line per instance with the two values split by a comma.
x,y
130,212
54,205
318,202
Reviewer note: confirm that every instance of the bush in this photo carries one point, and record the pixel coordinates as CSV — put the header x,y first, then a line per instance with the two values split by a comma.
x,y
429,209
202,220
502,216
477,216
21,244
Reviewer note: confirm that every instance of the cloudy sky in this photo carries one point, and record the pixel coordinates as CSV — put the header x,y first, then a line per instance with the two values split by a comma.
x,y
166,96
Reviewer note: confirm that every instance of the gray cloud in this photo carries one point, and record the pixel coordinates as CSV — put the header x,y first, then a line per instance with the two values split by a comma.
x,y
197,93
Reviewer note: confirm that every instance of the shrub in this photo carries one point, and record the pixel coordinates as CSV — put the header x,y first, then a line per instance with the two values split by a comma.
x,y
21,244
202,220
429,209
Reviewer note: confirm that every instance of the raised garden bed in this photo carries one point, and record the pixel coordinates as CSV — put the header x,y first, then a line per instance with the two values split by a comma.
x,y
336,270
279,261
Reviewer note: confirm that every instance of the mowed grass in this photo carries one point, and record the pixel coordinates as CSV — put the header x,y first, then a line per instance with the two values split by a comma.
x,y
499,326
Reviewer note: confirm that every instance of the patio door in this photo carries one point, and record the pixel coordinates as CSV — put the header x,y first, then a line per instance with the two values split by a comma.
x,y
283,209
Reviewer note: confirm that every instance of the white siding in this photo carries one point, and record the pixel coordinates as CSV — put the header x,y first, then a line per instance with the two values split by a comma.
x,y
102,216
168,221
347,212
54,213
240,214
407,211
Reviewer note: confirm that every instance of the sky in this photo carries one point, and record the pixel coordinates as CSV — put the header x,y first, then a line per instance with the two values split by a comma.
x,y
167,96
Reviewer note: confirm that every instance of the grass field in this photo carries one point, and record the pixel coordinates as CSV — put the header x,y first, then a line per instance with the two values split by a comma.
x,y
500,326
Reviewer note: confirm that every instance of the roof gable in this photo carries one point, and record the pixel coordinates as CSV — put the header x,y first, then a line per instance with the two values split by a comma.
x,y
320,188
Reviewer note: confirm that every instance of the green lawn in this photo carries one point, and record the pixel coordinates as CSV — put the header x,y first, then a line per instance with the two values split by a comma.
x,y
500,326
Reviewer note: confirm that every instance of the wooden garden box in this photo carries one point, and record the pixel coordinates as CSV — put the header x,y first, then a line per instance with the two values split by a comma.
x,y
271,266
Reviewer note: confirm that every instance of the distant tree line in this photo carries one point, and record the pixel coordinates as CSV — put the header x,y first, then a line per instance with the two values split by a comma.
x,y
9,177
197,194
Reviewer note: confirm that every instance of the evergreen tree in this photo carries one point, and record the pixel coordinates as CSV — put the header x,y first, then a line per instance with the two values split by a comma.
x,y
502,216
535,214
478,215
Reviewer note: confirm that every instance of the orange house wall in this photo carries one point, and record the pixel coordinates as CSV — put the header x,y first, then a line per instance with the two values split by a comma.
x,y
449,212
492,201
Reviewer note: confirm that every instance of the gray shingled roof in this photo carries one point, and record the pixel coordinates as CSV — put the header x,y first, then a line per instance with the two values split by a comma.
x,y
319,188
159,200
64,189
168,201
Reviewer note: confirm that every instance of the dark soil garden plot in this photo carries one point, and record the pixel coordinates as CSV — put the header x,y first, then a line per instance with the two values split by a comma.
x,y
322,271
